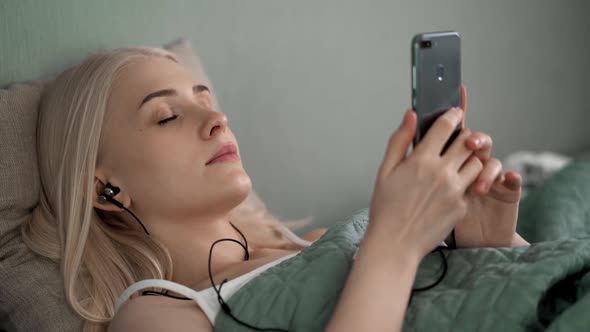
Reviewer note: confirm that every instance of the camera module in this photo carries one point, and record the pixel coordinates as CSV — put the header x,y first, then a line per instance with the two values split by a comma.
x,y
426,44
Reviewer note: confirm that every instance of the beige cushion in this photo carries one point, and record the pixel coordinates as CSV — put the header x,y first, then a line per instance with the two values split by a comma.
x,y
31,288
30,285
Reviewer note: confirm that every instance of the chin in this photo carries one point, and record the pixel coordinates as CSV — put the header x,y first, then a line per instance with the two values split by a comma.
x,y
239,189
221,192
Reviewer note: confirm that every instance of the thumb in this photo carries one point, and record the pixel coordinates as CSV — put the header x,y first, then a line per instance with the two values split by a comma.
x,y
398,144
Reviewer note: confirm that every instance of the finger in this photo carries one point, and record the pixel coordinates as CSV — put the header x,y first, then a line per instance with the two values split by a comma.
x,y
463,103
492,170
463,98
457,154
481,145
440,132
470,171
513,181
398,144
507,188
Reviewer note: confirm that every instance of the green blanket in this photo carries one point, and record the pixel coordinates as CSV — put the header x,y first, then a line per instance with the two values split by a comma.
x,y
544,286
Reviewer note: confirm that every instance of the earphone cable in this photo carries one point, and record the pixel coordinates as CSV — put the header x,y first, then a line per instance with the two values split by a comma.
x,y
445,268
134,216
220,299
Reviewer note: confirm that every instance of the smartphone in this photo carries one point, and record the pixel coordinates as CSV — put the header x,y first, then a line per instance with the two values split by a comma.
x,y
436,79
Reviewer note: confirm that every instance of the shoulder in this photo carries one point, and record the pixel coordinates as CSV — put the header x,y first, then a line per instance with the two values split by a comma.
x,y
159,313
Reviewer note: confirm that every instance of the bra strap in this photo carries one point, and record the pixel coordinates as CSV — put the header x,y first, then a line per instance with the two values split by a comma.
x,y
149,283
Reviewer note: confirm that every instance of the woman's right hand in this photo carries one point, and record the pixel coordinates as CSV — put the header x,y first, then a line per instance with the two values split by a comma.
x,y
418,198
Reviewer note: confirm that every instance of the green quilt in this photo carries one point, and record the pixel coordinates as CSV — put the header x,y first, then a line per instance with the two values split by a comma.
x,y
541,287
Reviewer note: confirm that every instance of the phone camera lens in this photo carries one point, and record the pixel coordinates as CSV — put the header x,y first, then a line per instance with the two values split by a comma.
x,y
426,44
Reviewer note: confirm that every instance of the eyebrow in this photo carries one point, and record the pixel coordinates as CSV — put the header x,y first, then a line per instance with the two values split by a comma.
x,y
170,92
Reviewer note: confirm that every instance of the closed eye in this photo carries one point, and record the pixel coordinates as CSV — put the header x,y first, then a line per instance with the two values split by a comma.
x,y
200,88
163,122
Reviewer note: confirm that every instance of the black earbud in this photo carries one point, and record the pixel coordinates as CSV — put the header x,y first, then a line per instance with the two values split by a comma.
x,y
108,194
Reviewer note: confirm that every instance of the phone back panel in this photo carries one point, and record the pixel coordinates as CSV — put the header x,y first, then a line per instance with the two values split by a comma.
x,y
436,77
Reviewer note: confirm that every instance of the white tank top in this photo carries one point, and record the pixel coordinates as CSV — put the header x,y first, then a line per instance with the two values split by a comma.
x,y
206,298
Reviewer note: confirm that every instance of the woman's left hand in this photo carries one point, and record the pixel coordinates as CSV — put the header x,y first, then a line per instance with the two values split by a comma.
x,y
493,200
492,213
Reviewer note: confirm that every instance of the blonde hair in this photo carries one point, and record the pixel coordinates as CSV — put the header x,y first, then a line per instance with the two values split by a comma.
x,y
100,256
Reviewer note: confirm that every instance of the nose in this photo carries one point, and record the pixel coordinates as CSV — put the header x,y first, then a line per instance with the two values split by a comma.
x,y
215,124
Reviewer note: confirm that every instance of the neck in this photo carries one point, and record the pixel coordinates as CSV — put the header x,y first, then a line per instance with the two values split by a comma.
x,y
189,244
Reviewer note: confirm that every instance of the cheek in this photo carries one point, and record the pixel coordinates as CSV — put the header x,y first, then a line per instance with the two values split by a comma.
x,y
172,156
172,159
167,178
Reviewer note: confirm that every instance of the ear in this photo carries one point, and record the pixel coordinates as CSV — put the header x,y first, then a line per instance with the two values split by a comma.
x,y
99,185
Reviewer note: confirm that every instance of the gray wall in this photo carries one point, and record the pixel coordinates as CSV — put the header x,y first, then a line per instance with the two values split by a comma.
x,y
313,89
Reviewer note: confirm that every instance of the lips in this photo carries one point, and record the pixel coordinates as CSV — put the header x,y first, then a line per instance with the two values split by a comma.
x,y
226,149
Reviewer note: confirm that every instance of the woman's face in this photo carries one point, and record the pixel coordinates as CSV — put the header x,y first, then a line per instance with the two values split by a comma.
x,y
160,131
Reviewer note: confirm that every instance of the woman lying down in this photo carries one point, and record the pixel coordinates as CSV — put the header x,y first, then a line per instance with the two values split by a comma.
x,y
140,172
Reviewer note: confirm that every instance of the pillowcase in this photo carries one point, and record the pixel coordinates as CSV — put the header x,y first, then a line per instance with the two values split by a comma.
x,y
31,287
